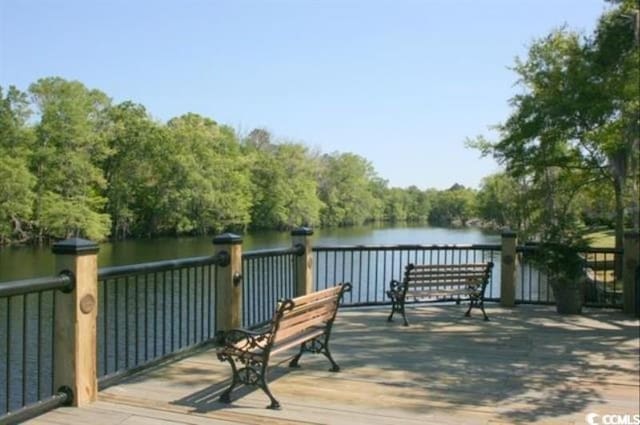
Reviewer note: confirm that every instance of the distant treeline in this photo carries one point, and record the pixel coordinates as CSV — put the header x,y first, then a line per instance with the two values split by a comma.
x,y
73,163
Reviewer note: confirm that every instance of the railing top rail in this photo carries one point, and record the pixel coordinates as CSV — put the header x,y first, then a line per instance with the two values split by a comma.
x,y
259,253
155,266
406,247
29,286
588,250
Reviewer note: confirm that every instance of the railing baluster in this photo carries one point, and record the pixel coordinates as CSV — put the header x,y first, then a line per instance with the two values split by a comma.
x,y
8,370
126,322
25,344
39,348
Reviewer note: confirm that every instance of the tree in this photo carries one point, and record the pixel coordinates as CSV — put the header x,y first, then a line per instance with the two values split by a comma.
x,y
16,181
456,204
419,206
135,170
578,112
67,152
345,188
284,178
396,205
210,175
506,202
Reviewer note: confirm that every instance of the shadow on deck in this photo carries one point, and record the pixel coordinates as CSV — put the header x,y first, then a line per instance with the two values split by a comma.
x,y
526,365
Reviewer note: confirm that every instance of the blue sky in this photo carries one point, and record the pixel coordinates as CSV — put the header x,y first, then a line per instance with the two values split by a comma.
x,y
401,83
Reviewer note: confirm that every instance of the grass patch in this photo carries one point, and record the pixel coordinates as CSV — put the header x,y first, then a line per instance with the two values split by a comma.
x,y
602,239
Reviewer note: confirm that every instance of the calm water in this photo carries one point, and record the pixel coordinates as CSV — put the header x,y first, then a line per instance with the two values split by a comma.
x,y
26,262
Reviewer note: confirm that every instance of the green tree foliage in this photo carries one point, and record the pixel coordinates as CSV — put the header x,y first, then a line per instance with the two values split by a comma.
x,y
211,179
451,206
74,164
345,188
66,155
134,170
505,201
285,183
16,181
397,203
576,121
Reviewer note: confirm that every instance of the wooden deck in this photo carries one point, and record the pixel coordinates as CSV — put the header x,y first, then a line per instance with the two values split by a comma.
x,y
526,365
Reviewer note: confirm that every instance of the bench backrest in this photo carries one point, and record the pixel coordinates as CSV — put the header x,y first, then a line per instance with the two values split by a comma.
x,y
315,311
447,276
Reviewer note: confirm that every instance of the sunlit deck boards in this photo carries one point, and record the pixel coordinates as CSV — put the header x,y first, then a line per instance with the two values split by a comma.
x,y
525,365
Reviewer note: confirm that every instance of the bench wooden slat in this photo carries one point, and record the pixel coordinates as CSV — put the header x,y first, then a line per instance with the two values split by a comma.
x,y
482,266
319,303
443,283
294,319
314,296
299,327
298,339
460,273
442,293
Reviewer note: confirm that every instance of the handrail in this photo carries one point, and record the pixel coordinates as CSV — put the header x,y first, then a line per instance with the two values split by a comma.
x,y
39,284
63,397
157,266
533,247
259,253
404,247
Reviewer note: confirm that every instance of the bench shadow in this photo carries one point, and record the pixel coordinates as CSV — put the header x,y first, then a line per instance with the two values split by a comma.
x,y
206,400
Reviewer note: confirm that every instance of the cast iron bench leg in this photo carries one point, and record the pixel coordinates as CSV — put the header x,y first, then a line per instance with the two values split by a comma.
x,y
225,397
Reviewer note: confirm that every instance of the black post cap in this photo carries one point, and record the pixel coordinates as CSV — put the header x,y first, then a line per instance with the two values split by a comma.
x,y
75,246
302,231
227,239
508,233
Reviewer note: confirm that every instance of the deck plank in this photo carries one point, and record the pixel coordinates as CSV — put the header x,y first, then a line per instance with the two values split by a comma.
x,y
526,365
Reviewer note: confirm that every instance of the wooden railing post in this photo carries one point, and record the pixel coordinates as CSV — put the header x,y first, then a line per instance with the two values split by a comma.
x,y
508,269
228,282
75,321
301,238
630,266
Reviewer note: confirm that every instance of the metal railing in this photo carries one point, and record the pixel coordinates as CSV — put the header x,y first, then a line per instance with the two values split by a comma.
x,y
27,312
268,276
370,268
602,289
149,311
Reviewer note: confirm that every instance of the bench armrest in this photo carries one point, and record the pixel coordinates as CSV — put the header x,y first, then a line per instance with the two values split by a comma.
x,y
245,340
396,289
396,285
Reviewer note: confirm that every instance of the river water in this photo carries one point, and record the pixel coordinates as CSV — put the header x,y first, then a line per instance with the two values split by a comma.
x,y
25,262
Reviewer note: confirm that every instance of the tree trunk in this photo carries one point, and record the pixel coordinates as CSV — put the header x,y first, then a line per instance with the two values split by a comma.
x,y
619,224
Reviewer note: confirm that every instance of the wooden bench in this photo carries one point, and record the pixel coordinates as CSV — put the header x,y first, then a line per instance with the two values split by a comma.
x,y
303,322
445,282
